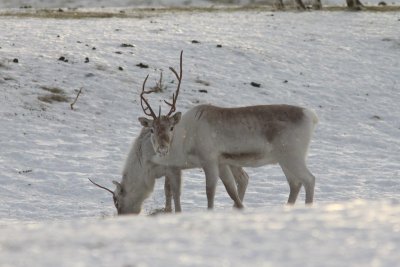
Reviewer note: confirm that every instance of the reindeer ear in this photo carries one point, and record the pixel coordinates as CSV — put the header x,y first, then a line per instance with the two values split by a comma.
x,y
145,122
176,118
119,187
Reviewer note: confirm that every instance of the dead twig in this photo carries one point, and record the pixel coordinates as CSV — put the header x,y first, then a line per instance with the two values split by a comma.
x,y
159,87
76,98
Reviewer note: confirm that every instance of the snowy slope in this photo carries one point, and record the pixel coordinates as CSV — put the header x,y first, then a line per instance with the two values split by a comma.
x,y
343,65
355,234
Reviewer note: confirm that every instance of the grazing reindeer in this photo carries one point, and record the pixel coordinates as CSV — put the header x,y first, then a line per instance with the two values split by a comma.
x,y
140,171
215,138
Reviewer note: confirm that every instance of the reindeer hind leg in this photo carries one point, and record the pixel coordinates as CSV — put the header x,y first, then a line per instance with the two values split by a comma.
x,y
298,174
228,179
241,179
294,186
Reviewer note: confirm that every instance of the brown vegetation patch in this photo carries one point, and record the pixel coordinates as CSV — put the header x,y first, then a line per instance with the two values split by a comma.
x,y
55,95
50,98
151,12
54,90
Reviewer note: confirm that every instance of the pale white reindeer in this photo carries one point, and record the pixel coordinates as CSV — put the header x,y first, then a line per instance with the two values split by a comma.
x,y
140,172
214,138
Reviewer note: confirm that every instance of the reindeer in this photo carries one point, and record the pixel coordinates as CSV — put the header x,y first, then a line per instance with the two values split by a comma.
x,y
140,172
216,138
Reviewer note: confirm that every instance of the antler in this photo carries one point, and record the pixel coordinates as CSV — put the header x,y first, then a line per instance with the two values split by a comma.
x,y
175,95
147,110
102,187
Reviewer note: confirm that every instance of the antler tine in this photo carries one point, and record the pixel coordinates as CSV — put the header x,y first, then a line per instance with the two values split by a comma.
x,y
147,110
102,187
175,95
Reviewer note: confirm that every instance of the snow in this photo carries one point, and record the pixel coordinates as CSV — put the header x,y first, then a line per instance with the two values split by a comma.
x,y
344,65
352,234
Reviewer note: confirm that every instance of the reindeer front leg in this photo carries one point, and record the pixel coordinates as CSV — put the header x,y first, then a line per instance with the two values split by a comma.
x,y
174,178
212,174
168,195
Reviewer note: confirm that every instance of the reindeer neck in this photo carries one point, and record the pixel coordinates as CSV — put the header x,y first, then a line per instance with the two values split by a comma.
x,y
137,169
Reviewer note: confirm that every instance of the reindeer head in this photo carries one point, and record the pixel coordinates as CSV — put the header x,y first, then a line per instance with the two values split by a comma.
x,y
161,126
121,202
161,130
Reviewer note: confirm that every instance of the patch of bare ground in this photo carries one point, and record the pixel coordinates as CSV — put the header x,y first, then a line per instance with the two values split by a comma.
x,y
55,95
151,12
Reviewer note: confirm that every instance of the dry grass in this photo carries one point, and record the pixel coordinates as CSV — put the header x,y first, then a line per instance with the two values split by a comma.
x,y
365,8
50,98
54,14
199,81
54,90
160,86
151,12
158,211
124,13
55,95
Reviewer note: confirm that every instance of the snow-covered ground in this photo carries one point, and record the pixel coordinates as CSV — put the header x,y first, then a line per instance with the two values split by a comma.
x,y
354,234
343,65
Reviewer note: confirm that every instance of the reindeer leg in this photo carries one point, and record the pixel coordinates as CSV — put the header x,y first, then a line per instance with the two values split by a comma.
x,y
317,5
175,177
309,185
297,172
300,5
168,195
294,186
227,178
294,191
279,4
212,173
242,180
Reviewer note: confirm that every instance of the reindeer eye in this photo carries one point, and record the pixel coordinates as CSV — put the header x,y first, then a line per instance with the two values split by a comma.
x,y
151,130
172,128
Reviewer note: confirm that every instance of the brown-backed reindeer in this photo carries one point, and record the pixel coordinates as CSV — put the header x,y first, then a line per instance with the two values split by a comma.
x,y
140,171
215,138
